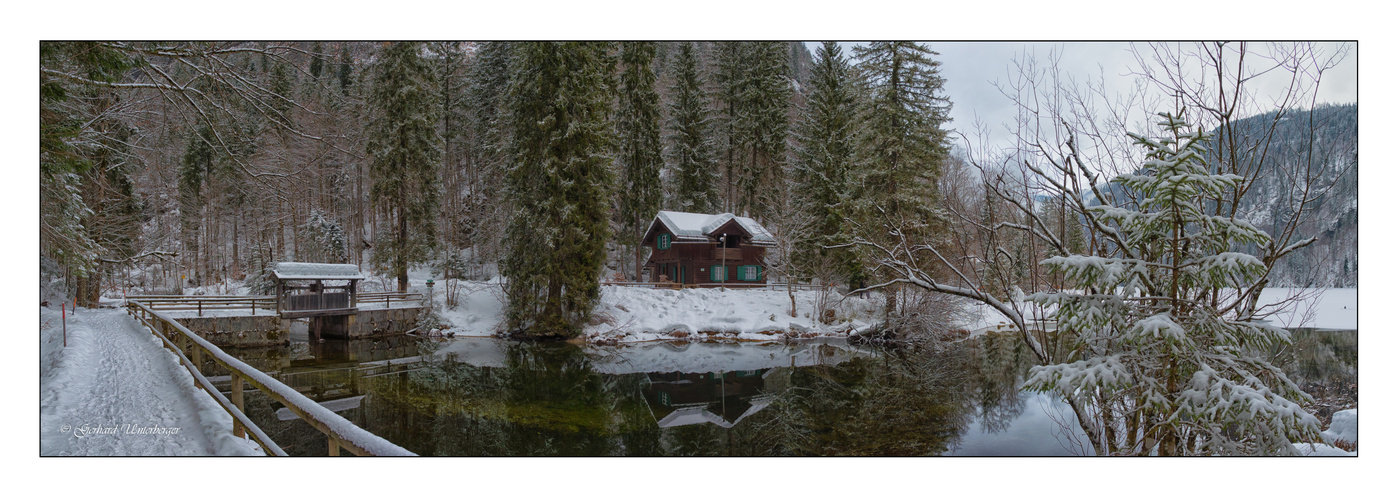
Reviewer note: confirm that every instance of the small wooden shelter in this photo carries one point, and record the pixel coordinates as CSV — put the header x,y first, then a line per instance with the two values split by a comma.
x,y
303,291
689,248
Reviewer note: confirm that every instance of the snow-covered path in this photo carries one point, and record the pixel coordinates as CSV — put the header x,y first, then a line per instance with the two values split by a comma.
x,y
115,391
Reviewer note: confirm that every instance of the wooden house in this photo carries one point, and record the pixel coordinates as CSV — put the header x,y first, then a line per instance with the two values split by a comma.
x,y
703,249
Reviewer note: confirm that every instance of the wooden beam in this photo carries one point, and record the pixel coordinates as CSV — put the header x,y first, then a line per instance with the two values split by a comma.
x,y
322,312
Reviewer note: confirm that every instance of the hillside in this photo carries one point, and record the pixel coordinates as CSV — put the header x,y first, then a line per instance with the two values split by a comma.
x,y
1332,216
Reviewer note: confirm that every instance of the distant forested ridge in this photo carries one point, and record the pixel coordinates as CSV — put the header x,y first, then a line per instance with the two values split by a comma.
x,y
1326,136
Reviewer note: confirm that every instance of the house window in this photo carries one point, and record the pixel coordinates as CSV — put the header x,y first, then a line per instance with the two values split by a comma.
x,y
749,273
663,241
718,273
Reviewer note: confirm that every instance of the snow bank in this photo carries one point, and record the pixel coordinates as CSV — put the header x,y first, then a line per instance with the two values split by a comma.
x,y
1343,428
632,314
635,314
1342,432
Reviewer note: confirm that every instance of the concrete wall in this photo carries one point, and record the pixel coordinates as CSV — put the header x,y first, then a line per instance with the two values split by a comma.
x,y
240,331
382,322
261,331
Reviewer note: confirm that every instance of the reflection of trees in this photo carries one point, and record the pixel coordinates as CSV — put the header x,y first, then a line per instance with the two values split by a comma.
x,y
903,403
1001,365
1322,363
547,400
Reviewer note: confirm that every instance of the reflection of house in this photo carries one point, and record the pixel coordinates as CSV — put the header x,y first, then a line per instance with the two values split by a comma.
x,y
699,248
718,398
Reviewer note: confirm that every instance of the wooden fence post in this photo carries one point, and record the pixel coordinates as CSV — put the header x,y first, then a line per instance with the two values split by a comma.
x,y
334,450
196,355
237,399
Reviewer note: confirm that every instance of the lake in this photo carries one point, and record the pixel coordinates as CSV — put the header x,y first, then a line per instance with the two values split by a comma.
x,y
493,397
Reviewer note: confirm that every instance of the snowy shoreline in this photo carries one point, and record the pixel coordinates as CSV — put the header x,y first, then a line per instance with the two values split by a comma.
x,y
628,314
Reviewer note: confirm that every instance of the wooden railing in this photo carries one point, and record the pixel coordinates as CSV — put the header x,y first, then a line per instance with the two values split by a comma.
x,y
251,303
201,303
340,433
729,284
387,298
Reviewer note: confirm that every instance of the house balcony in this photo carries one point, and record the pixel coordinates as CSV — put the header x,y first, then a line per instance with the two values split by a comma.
x,y
733,254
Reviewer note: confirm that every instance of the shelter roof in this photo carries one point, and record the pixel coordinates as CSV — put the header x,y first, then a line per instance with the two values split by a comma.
x,y
316,271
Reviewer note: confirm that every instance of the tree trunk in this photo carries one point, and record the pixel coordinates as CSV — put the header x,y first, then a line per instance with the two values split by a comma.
x,y
401,260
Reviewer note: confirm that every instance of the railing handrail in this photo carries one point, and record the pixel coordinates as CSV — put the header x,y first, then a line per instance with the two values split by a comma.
x,y
340,432
200,297
729,284
387,294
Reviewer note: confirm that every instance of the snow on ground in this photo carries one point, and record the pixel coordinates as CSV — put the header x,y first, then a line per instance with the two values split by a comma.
x,y
1342,432
631,314
115,391
637,314
1323,308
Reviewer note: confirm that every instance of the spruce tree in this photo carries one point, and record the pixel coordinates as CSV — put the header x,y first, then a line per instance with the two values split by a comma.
x,y
404,147
344,69
826,139
68,122
280,83
196,166
316,61
449,62
489,80
763,124
639,146
902,146
560,183
728,85
690,158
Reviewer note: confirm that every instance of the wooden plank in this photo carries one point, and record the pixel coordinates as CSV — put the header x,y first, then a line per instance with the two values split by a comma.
x,y
327,312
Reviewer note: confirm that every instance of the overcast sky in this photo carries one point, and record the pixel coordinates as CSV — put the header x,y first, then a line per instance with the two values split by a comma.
x,y
973,68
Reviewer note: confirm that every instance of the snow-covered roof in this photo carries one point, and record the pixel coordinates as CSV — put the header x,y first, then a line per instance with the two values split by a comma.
x,y
688,226
316,271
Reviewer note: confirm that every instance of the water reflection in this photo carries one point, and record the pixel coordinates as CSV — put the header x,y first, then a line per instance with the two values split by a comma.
x,y
489,397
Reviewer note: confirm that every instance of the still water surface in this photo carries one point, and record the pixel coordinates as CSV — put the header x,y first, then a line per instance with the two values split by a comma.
x,y
491,397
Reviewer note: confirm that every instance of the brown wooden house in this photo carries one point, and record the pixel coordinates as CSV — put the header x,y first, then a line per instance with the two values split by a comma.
x,y
702,249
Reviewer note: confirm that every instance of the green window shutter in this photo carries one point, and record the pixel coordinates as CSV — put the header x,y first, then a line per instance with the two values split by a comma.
x,y
663,241
750,273
718,273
